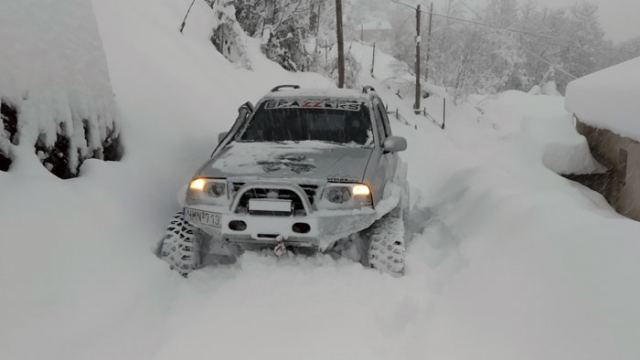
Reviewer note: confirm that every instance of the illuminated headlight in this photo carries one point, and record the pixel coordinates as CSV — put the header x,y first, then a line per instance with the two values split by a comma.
x,y
208,191
345,196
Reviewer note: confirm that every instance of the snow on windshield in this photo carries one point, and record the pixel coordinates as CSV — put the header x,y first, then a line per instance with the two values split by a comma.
x,y
336,121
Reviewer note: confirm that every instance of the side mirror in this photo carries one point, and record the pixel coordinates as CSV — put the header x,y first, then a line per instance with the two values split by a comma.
x,y
394,144
221,136
245,110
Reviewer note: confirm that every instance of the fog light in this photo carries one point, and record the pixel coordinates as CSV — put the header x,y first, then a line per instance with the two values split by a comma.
x,y
237,225
301,228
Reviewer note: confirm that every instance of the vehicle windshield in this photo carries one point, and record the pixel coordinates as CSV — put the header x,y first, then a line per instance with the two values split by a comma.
x,y
336,121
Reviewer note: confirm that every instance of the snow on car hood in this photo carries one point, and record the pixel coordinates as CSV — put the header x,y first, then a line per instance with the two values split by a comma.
x,y
305,159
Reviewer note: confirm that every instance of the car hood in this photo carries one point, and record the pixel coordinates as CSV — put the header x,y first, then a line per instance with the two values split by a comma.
x,y
300,160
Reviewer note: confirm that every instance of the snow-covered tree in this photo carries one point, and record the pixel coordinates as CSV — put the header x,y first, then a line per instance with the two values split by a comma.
x,y
284,27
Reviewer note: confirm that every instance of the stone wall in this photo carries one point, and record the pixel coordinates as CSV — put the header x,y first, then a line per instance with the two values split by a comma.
x,y
621,155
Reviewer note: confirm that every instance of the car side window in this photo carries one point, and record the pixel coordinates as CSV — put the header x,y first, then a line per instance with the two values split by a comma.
x,y
385,119
380,124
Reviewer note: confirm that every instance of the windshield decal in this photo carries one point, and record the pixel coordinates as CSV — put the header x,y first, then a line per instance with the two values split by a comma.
x,y
330,104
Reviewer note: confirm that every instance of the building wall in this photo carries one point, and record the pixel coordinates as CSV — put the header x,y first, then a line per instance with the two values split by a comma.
x,y
622,156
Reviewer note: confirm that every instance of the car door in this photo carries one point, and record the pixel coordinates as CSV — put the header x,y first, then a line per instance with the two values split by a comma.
x,y
382,164
391,159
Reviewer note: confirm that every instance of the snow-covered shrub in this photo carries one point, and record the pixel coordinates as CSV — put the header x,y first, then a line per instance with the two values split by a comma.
x,y
54,85
283,26
228,36
285,45
8,130
228,42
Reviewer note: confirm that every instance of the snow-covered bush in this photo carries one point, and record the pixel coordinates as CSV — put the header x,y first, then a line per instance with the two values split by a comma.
x,y
228,36
54,86
284,27
285,45
8,129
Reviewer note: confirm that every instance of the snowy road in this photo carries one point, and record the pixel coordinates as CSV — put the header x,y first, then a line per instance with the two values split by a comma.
x,y
512,262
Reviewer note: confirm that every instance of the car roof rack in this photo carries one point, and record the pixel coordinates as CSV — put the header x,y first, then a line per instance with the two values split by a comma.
x,y
280,87
367,89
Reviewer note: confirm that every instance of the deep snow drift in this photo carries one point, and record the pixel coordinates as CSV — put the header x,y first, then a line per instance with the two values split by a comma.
x,y
512,261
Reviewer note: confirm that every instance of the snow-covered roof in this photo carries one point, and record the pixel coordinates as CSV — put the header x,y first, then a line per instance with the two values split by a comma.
x,y
609,99
377,25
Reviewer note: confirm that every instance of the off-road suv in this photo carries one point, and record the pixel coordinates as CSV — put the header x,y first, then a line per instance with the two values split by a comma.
x,y
304,171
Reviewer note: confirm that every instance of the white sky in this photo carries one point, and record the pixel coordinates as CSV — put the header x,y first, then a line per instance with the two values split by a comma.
x,y
619,18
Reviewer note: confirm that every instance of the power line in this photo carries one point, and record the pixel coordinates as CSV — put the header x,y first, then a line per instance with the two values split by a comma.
x,y
523,32
479,23
557,67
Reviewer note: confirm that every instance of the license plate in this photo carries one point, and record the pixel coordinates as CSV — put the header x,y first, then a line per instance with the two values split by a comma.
x,y
271,205
203,217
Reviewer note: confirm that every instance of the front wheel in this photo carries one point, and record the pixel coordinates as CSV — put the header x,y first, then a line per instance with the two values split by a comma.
x,y
181,246
387,245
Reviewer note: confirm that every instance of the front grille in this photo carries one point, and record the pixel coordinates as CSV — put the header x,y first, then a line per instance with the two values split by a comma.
x,y
310,190
273,193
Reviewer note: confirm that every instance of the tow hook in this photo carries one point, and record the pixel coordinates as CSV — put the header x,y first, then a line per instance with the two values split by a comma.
x,y
280,248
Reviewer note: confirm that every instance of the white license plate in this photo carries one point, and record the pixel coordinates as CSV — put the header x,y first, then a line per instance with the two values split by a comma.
x,y
203,217
275,205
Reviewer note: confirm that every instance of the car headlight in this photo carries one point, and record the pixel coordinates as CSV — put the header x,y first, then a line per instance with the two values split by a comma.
x,y
207,191
345,196
338,194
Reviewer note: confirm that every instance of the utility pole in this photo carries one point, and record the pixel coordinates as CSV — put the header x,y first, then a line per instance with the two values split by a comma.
x,y
340,43
426,63
416,106
373,59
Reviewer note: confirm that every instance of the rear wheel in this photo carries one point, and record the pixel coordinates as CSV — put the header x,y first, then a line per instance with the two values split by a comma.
x,y
181,246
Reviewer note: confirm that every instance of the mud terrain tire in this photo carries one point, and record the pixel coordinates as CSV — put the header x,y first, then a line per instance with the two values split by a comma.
x,y
181,246
387,247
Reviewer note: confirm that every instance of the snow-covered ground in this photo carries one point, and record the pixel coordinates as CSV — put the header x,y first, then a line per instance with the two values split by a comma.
x,y
511,260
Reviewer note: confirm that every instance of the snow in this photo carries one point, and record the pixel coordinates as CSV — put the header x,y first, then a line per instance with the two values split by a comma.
x,y
57,78
608,99
377,25
510,260
315,93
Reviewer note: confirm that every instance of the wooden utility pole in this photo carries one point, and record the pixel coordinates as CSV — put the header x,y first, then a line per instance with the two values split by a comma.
x,y
416,106
373,59
340,43
426,63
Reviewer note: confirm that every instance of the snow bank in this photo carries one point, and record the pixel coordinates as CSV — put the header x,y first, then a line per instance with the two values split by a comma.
x,y
608,99
513,261
545,124
53,72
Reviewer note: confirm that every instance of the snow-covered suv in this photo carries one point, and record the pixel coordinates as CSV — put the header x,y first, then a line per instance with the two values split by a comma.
x,y
304,171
